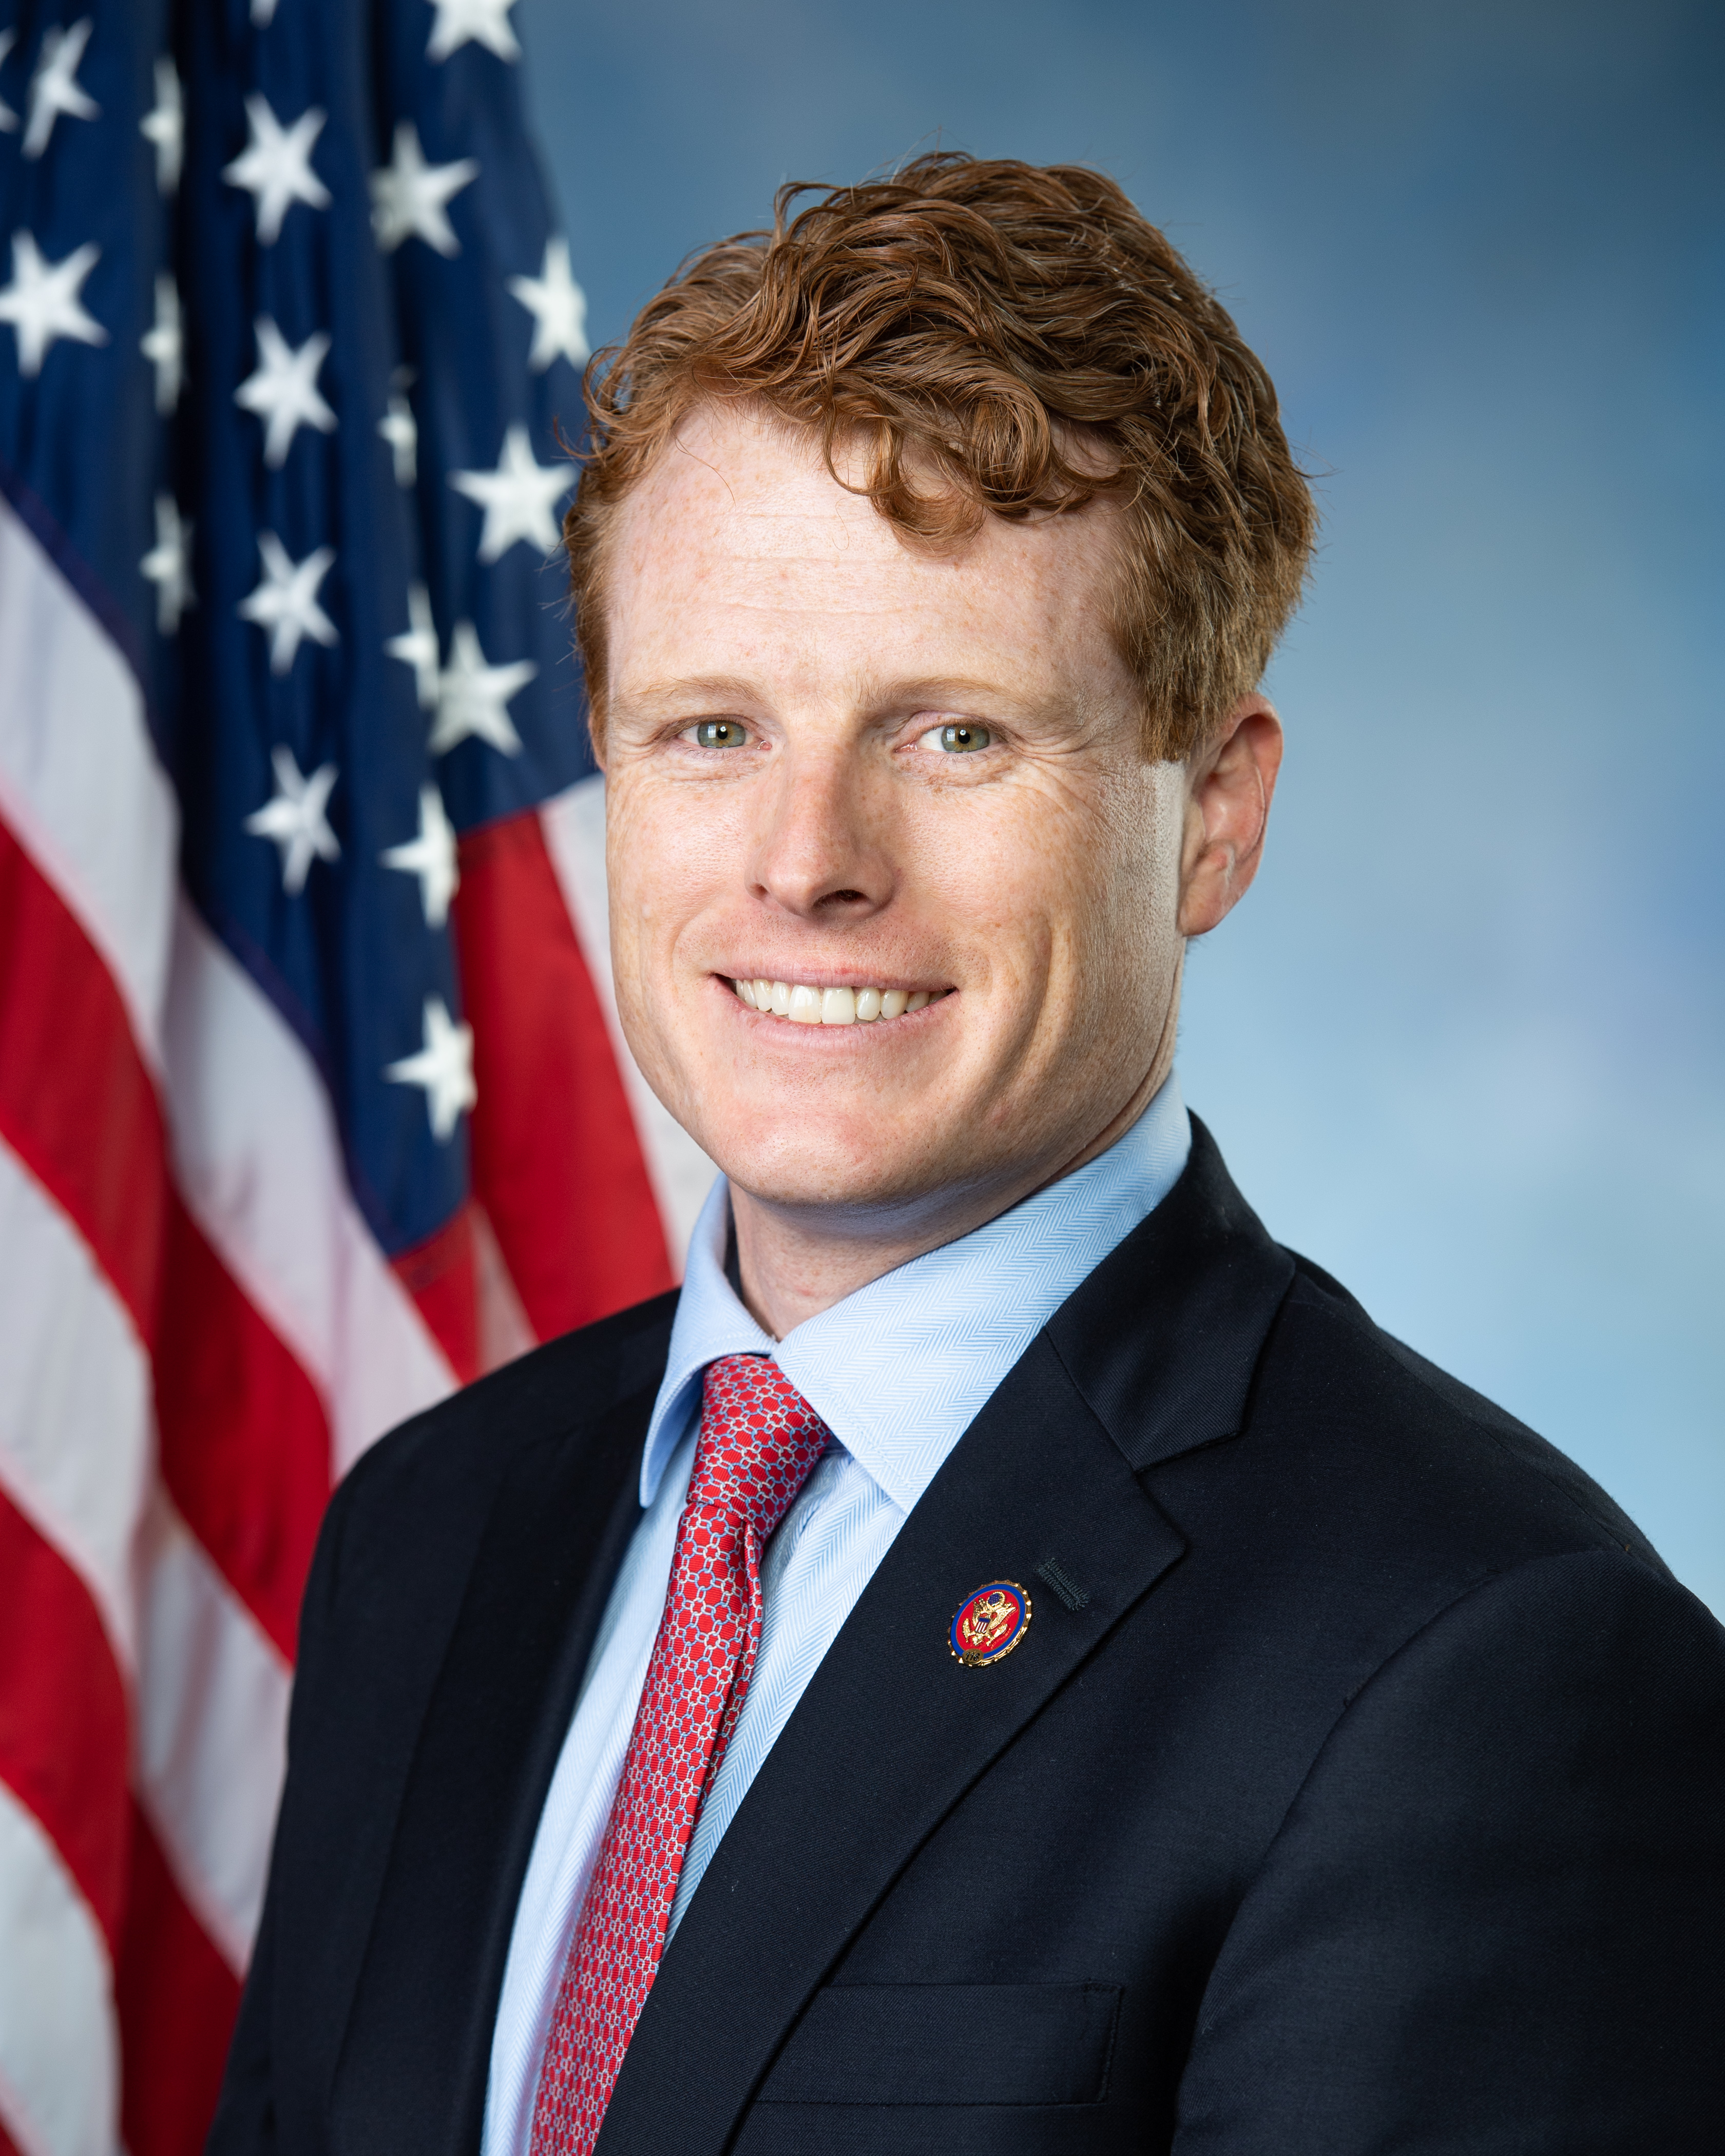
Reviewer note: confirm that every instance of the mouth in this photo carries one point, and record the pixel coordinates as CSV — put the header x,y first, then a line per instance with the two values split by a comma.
x,y
800,1004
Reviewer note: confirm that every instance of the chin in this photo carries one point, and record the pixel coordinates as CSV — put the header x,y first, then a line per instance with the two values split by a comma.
x,y
826,1163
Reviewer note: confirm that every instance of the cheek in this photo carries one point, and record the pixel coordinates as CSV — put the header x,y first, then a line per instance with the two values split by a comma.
x,y
997,866
1070,891
1134,860
658,857
643,878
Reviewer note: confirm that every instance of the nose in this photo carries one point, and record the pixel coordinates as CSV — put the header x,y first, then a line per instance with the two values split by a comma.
x,y
818,853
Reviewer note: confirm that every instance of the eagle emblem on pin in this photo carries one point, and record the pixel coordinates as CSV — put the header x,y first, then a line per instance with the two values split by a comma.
x,y
990,1624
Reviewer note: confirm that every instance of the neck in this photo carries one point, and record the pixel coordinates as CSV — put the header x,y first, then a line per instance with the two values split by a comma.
x,y
794,1261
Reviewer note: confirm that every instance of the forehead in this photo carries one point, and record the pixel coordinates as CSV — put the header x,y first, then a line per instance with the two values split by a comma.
x,y
740,550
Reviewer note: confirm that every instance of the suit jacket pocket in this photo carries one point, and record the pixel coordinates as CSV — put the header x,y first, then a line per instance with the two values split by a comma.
x,y
949,2043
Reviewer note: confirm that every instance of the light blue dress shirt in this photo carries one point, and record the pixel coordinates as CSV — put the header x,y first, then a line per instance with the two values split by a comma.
x,y
898,1372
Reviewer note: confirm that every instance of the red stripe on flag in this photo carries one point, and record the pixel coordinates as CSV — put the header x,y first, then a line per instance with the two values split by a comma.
x,y
555,1162
440,1275
76,1104
245,1443
8,2146
63,1715
177,1999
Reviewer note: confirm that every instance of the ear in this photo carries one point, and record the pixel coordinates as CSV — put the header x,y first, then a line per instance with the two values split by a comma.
x,y
1228,786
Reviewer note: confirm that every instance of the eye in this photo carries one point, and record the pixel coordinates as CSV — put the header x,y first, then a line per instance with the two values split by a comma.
x,y
717,733
958,737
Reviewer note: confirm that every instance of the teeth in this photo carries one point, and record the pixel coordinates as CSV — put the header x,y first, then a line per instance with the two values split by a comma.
x,y
809,1006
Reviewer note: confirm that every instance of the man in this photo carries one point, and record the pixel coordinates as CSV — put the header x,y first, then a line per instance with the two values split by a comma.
x,y
1011,1659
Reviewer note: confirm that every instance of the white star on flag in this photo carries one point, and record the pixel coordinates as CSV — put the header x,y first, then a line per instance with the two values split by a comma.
x,y
444,1066
408,196
54,87
262,14
431,857
286,601
417,645
42,302
516,497
274,166
558,306
284,392
168,565
472,697
401,432
294,819
8,118
484,22
165,126
164,344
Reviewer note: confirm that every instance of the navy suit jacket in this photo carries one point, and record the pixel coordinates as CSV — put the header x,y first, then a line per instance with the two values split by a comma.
x,y
1363,1792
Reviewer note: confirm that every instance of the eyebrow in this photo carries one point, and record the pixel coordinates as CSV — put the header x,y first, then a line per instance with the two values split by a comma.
x,y
709,688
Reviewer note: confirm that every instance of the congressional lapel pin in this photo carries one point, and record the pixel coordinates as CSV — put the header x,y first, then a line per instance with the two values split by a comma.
x,y
990,1625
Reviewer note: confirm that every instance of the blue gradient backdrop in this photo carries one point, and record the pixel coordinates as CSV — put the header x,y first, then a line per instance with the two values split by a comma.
x,y
1465,1043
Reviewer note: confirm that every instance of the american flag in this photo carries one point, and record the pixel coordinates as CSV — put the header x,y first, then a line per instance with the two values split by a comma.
x,y
311,1101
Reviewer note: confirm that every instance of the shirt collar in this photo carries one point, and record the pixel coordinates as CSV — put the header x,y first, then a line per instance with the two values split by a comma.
x,y
899,1370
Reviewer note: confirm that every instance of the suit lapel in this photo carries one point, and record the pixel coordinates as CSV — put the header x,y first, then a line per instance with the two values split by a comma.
x,y
413,2065
888,1737
1163,1338
1153,1354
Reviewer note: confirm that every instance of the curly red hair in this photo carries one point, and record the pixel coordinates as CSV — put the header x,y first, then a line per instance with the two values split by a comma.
x,y
1003,338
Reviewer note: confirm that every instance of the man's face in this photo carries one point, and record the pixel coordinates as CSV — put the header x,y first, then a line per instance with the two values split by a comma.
x,y
841,763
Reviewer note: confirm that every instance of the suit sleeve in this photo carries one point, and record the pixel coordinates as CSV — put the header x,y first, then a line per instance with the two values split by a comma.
x,y
244,2123
245,2120
1494,1918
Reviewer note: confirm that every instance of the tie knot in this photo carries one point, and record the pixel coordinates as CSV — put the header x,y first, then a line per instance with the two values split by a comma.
x,y
759,1438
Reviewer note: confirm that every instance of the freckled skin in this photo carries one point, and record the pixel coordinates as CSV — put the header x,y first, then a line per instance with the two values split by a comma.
x,y
1048,881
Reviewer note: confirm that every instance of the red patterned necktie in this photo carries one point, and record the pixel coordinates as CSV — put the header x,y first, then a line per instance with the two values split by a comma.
x,y
759,1438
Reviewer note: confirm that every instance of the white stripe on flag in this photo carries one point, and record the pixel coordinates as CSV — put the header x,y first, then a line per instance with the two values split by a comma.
x,y
257,1158
79,782
60,2043
211,1735
574,826
75,1419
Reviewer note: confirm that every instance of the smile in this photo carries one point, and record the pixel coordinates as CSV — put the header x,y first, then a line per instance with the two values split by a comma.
x,y
806,1006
